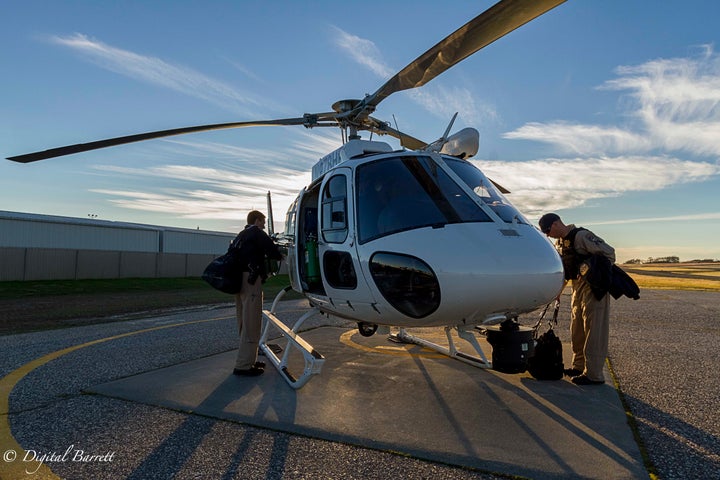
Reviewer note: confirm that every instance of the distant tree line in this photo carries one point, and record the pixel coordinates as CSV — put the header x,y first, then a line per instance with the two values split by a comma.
x,y
671,259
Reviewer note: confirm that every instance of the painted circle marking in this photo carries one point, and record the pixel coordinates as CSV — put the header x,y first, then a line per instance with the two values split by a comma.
x,y
403,350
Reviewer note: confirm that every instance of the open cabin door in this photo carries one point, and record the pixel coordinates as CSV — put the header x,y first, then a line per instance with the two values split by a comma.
x,y
301,241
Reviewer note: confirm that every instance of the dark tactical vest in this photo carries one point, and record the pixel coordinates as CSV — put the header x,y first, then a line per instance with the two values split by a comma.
x,y
603,276
571,259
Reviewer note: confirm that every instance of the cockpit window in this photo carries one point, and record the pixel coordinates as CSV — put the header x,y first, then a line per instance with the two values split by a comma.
x,y
403,193
484,189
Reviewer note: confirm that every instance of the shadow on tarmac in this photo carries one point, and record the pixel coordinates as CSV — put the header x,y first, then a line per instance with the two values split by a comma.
x,y
429,408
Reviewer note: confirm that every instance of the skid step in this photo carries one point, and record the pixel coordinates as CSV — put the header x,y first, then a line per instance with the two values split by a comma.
x,y
313,359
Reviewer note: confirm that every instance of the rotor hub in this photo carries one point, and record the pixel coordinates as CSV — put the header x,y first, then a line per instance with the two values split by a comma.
x,y
343,106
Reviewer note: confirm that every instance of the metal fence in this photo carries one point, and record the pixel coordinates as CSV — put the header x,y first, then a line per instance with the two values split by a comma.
x,y
58,264
44,247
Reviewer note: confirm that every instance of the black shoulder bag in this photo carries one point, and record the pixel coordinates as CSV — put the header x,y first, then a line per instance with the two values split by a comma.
x,y
225,272
547,361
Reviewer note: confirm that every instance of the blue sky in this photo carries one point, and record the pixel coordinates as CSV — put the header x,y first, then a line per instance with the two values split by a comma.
x,y
606,112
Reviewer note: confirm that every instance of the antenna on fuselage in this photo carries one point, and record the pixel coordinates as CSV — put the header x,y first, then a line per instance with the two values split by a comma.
x,y
437,145
398,130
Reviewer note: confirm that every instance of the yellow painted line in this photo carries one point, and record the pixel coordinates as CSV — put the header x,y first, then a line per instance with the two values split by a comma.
x,y
12,455
386,350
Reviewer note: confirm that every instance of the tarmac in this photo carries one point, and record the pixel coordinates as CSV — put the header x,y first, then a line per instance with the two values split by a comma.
x,y
411,401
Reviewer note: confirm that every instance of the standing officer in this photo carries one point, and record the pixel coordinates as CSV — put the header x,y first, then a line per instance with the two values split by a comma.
x,y
254,246
590,315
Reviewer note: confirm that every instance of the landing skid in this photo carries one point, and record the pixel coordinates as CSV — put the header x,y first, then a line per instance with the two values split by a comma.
x,y
451,351
313,359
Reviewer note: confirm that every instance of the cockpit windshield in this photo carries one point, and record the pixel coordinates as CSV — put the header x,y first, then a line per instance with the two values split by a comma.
x,y
485,189
402,193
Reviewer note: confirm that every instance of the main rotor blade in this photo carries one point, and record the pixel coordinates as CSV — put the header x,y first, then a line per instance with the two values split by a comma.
x,y
405,140
499,20
111,142
499,187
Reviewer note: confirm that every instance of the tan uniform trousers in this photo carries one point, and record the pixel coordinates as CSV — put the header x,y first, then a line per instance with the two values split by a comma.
x,y
589,330
249,319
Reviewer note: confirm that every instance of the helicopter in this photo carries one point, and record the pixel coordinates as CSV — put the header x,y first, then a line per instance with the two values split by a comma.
x,y
417,237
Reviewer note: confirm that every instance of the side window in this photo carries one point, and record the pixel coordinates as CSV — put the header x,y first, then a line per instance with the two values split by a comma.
x,y
334,210
290,219
339,270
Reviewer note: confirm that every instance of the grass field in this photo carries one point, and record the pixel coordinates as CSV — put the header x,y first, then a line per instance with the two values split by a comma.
x,y
193,286
681,276
676,276
39,305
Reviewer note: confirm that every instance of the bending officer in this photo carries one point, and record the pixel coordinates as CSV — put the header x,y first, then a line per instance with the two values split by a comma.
x,y
590,315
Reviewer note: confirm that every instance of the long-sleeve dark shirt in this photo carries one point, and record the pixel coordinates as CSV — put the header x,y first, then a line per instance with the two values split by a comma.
x,y
256,245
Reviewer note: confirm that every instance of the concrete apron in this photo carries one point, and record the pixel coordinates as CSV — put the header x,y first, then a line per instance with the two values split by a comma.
x,y
406,399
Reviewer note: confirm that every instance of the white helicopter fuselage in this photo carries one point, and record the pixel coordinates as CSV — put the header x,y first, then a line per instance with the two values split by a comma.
x,y
409,238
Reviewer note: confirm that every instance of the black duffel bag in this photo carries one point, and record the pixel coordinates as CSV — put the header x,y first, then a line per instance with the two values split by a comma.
x,y
546,363
225,272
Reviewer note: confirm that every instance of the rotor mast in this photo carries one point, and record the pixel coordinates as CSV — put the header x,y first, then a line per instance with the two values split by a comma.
x,y
350,118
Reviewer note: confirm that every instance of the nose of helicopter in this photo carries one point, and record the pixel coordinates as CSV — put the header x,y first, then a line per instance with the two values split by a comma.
x,y
482,271
516,270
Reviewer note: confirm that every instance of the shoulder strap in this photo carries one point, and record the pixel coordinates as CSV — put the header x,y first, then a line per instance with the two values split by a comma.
x,y
572,234
552,323
236,243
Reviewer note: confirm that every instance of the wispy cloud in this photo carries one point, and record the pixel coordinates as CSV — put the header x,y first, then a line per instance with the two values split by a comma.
x,y
555,183
677,100
675,104
440,101
204,192
674,112
235,180
444,102
364,52
670,219
164,74
243,69
581,139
